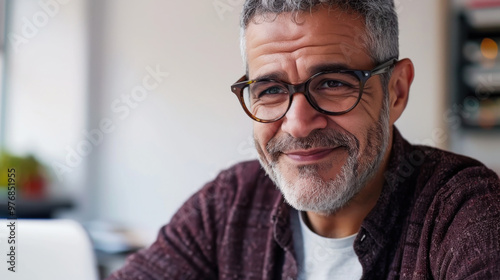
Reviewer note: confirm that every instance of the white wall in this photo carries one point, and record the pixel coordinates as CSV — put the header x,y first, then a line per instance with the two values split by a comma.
x,y
422,39
188,128
46,84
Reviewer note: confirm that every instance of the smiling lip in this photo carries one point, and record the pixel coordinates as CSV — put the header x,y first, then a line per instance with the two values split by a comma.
x,y
311,155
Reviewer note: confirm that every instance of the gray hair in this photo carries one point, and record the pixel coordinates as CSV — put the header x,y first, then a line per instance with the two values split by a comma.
x,y
381,32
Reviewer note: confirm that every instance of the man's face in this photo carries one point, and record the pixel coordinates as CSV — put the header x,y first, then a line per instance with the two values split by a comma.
x,y
319,162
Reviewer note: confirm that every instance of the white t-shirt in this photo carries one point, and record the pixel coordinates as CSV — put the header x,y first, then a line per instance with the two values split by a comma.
x,y
323,258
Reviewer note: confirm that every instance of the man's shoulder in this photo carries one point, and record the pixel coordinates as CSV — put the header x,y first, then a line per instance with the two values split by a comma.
x,y
433,167
242,189
454,169
457,207
242,175
245,170
446,179
450,205
437,176
243,183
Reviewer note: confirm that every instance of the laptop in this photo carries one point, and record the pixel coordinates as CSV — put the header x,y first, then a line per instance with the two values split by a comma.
x,y
45,249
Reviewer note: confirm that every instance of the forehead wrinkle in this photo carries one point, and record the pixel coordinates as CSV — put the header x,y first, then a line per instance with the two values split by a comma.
x,y
288,46
302,42
275,69
334,52
291,34
302,61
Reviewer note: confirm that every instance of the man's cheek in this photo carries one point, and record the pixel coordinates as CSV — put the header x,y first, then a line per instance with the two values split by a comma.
x,y
260,150
260,136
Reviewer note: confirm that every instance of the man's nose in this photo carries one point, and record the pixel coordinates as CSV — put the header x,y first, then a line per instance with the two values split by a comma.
x,y
301,119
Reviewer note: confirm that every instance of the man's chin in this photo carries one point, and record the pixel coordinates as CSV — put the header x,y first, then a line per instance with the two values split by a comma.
x,y
311,203
319,173
306,189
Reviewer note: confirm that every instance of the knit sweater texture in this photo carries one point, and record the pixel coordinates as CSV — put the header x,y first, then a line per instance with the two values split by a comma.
x,y
437,217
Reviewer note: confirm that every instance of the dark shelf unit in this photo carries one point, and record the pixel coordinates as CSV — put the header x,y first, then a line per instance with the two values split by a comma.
x,y
476,92
35,208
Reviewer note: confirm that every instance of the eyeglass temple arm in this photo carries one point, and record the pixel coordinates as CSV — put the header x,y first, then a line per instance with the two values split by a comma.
x,y
382,68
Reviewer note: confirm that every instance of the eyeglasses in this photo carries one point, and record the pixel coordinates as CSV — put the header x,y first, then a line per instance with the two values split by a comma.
x,y
332,93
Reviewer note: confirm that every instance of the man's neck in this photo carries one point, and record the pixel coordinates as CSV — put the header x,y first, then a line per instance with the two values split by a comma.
x,y
342,223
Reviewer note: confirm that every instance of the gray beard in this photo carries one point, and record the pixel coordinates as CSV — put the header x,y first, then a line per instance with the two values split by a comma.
x,y
311,192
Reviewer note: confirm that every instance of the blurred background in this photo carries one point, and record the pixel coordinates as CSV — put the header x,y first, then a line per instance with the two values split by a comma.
x,y
115,112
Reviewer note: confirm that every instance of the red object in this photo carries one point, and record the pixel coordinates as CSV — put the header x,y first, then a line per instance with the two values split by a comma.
x,y
480,4
34,187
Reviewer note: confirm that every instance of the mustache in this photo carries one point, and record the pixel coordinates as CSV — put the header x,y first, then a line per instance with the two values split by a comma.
x,y
324,138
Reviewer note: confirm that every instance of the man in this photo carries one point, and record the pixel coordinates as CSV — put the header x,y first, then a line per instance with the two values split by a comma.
x,y
355,200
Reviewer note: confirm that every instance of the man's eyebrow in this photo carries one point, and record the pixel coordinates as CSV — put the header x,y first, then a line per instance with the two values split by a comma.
x,y
281,76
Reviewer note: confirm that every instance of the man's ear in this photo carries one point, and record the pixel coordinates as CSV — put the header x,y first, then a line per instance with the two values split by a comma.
x,y
399,88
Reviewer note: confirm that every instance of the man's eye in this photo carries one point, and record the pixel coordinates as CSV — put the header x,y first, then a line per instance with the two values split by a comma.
x,y
272,91
332,84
